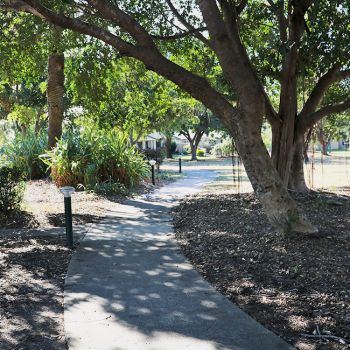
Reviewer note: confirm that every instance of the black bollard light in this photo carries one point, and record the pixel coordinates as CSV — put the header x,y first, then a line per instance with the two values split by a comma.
x,y
152,162
180,166
67,191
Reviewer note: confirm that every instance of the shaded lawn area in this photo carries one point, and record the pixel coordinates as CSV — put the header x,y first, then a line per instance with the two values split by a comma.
x,y
290,285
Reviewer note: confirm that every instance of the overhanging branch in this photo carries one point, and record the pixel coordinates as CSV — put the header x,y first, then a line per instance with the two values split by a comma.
x,y
308,114
319,91
304,125
179,35
20,6
113,13
241,6
187,25
198,87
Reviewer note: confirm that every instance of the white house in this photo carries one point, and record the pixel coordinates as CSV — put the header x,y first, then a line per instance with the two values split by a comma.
x,y
151,141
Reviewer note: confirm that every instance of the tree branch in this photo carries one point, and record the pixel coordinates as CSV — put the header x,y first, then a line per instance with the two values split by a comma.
x,y
35,8
18,5
282,20
187,25
307,114
319,91
241,6
233,57
296,26
305,124
187,134
113,13
179,35
198,87
343,74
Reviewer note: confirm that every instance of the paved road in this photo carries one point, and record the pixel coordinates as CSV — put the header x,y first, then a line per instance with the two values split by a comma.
x,y
130,288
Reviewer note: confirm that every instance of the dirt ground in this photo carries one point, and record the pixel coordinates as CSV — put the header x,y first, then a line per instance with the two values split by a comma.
x,y
32,272
297,287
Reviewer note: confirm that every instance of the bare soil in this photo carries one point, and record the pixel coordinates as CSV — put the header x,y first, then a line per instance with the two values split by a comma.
x,y
297,287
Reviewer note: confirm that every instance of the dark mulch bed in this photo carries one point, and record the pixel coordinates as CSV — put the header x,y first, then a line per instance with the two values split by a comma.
x,y
18,219
290,285
58,220
25,220
32,271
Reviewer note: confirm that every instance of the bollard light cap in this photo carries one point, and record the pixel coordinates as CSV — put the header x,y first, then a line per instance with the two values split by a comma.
x,y
67,191
152,162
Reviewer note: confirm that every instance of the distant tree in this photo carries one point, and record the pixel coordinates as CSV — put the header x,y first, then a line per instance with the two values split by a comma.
x,y
196,126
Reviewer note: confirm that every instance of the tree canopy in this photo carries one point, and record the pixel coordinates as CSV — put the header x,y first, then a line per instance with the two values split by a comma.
x,y
261,52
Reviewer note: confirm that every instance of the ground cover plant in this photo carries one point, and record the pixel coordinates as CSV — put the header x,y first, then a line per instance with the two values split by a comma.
x,y
24,152
88,156
11,188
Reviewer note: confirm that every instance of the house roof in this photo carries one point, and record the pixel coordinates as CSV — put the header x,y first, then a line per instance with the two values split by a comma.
x,y
155,136
151,137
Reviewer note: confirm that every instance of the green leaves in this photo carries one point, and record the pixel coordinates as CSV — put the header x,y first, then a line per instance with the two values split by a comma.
x,y
22,115
89,156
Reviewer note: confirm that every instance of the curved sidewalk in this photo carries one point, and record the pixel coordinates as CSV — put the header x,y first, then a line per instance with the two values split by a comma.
x,y
130,288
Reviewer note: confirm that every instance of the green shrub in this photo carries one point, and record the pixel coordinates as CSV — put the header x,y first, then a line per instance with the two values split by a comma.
x,y
24,153
89,156
224,149
186,149
200,152
11,188
109,188
156,154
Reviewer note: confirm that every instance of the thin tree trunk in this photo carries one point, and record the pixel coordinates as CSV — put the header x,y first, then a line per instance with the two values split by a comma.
x,y
131,137
306,145
168,147
283,132
193,150
297,178
194,142
37,121
322,140
55,94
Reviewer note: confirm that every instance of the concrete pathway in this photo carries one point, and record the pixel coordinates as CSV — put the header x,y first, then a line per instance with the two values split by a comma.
x,y
130,288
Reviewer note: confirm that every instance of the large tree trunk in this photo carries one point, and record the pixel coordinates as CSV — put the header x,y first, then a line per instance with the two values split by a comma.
x,y
297,177
55,94
278,205
282,148
283,131
232,55
168,147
